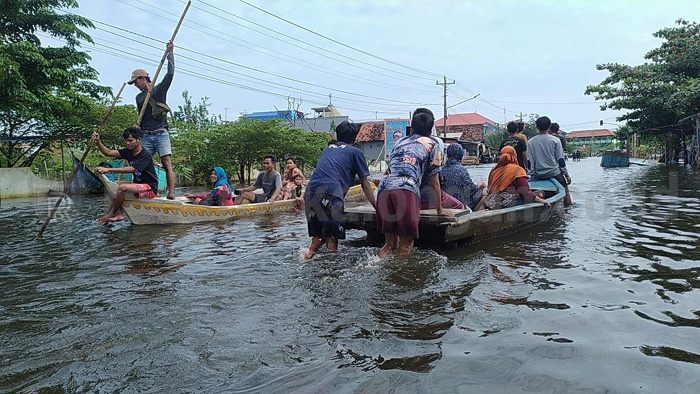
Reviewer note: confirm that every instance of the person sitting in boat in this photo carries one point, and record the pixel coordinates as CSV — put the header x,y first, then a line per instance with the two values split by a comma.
x,y
545,158
458,183
324,199
289,174
508,185
220,195
297,192
145,180
269,180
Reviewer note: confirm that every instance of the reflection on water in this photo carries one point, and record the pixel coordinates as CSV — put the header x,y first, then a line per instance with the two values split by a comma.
x,y
232,306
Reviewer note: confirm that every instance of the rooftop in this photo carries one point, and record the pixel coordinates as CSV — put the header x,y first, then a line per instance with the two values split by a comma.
x,y
371,131
464,119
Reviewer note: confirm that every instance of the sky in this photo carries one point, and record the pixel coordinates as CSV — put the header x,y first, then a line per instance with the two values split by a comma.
x,y
382,59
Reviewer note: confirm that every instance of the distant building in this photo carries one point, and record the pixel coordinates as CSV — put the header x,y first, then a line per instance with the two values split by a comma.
x,y
470,126
582,138
370,140
325,121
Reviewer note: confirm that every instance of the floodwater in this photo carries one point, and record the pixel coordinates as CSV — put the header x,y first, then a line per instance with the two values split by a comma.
x,y
603,298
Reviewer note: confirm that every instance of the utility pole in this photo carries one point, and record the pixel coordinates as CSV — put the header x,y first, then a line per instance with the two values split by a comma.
x,y
225,114
521,115
444,105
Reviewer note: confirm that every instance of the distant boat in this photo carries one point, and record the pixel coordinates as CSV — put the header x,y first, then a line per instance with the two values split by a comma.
x,y
615,159
85,181
468,227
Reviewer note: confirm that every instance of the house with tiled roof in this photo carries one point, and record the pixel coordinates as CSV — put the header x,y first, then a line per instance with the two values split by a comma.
x,y
582,138
370,139
472,126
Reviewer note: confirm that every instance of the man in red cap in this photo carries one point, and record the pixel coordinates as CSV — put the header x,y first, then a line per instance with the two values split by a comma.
x,y
154,124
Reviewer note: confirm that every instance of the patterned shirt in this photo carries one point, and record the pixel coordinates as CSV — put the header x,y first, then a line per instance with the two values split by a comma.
x,y
411,157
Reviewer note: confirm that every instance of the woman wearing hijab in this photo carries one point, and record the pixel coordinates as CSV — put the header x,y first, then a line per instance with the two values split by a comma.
x,y
220,195
508,185
458,183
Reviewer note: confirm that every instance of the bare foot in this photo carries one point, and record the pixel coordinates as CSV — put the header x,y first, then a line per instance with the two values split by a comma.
x,y
171,196
103,220
308,254
384,251
118,217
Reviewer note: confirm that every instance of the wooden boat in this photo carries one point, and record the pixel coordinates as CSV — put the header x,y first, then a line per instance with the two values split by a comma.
x,y
467,226
160,173
615,159
160,210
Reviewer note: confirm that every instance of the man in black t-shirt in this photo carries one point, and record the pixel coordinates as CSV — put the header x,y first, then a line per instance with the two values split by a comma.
x,y
517,143
145,180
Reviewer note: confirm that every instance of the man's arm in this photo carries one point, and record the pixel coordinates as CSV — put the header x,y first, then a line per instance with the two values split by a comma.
x,y
118,170
367,189
105,151
168,79
559,153
435,192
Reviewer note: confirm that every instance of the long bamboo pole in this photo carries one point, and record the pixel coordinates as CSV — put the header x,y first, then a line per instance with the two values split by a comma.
x,y
160,66
80,164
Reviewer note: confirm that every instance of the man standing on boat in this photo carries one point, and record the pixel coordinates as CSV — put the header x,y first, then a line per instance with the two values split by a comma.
x,y
324,199
545,158
154,124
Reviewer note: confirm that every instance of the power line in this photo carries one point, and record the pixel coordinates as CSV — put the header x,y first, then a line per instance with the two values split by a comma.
x,y
338,42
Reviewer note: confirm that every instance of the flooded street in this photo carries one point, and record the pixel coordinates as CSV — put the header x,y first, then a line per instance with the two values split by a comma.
x,y
602,298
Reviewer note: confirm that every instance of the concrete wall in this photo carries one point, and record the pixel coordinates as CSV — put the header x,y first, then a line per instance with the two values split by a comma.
x,y
371,149
21,182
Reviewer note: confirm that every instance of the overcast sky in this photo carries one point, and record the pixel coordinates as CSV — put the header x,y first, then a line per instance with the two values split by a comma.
x,y
382,59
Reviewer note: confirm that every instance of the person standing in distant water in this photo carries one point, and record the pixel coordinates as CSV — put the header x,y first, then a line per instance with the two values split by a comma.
x,y
545,158
154,124
517,143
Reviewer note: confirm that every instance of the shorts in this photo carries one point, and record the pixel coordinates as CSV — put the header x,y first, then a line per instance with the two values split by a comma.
x,y
157,143
260,198
447,202
325,215
145,190
398,212
562,179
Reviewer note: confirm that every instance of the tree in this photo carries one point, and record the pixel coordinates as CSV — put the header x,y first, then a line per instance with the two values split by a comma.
x,y
663,90
44,91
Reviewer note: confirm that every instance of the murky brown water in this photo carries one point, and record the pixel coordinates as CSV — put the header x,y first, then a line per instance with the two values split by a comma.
x,y
604,298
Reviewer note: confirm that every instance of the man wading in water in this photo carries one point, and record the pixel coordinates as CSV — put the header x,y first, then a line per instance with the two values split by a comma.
x,y
154,124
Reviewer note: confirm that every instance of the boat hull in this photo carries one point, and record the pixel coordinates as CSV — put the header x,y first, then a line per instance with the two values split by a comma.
x,y
160,210
469,227
615,159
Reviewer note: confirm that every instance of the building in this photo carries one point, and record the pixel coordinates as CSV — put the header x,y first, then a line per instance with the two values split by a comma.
x,y
325,120
586,138
470,126
370,140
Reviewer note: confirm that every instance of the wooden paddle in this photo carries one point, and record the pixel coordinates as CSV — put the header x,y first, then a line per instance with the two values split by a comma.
x,y
80,164
155,77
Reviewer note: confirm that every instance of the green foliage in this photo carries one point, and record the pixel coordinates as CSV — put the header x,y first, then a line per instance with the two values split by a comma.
x,y
45,92
661,91
494,140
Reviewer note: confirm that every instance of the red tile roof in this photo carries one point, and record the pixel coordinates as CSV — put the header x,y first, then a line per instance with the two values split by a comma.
x,y
464,119
371,131
590,133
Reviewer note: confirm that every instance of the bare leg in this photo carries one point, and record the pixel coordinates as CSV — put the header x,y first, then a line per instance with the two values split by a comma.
x,y
331,244
316,243
389,245
567,200
169,175
244,196
405,245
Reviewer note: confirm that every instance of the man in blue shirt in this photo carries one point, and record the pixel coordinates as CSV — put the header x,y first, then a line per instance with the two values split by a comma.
x,y
325,194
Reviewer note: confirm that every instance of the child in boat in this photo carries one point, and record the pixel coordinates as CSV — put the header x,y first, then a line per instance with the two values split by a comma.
x,y
325,194
296,192
220,195
145,180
